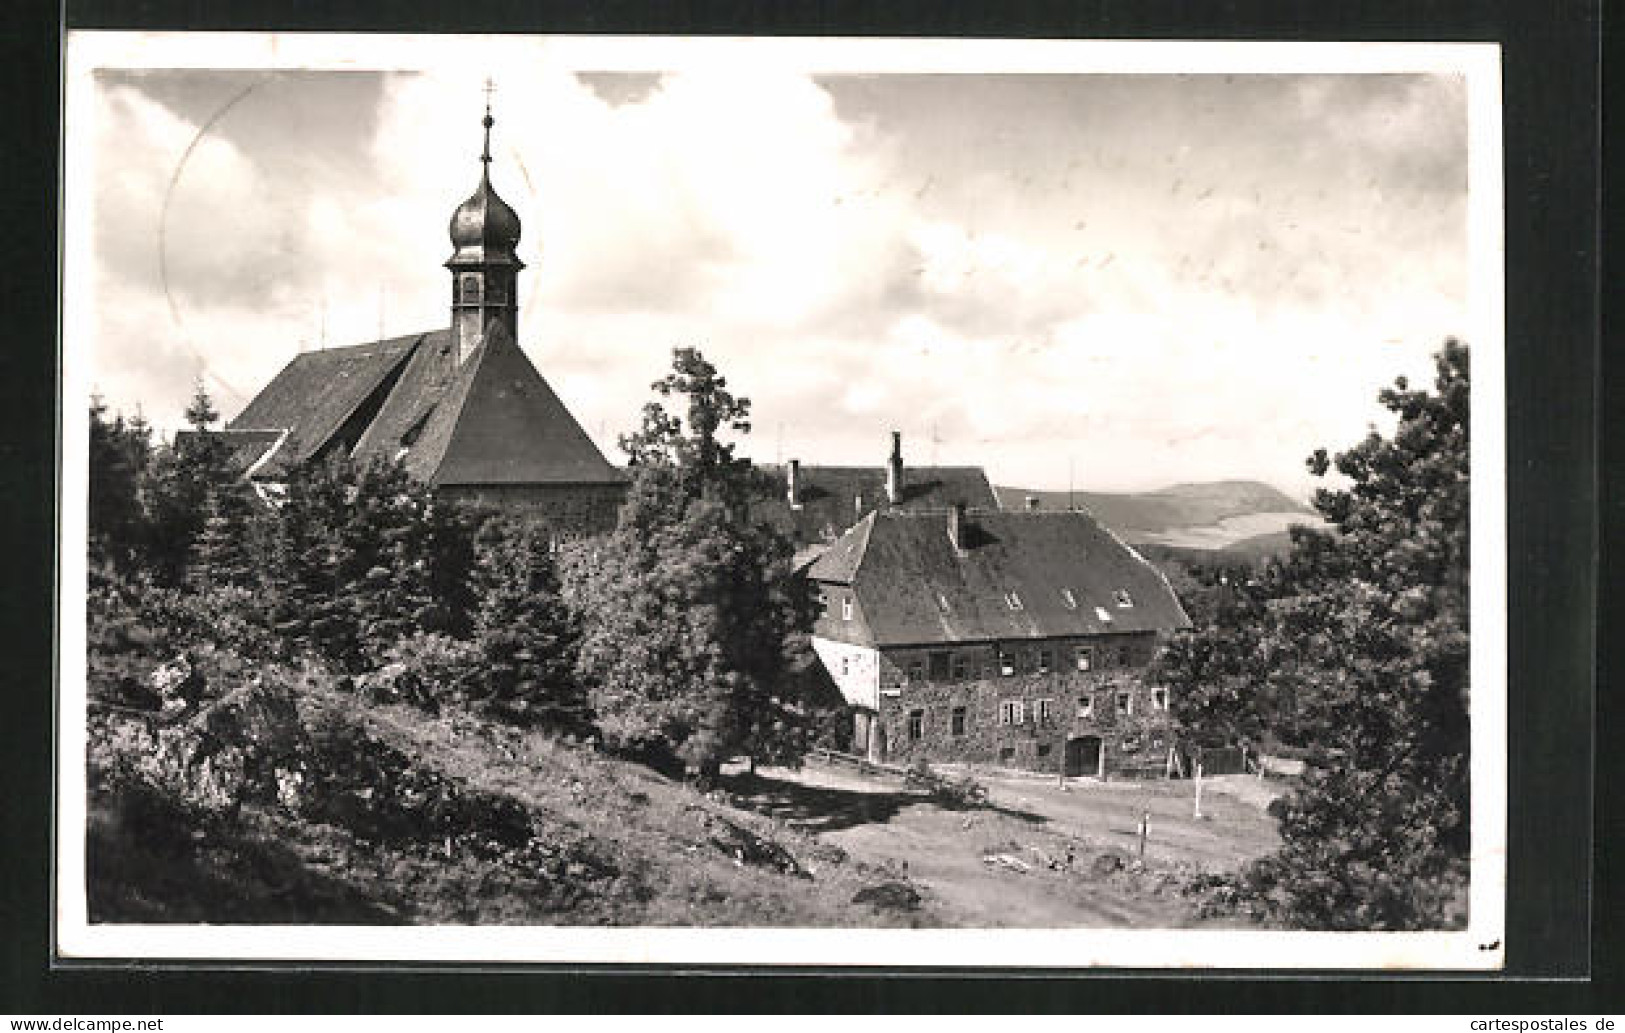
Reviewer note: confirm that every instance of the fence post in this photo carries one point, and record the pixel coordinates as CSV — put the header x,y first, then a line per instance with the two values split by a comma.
x,y
1198,812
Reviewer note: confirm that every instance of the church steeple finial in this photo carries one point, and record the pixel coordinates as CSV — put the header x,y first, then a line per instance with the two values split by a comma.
x,y
488,122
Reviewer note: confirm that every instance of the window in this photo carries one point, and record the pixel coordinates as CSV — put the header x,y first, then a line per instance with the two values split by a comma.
x,y
1131,744
1006,661
1125,703
957,721
1102,615
1086,706
939,666
846,666
1007,753
1156,742
494,292
846,608
961,667
1159,699
916,725
1070,600
1012,712
471,288
1123,599
1045,659
1124,657
942,603
1012,600
916,671
1045,707
1085,658
1043,749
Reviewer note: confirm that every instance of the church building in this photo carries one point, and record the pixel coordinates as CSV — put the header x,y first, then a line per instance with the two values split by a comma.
x,y
461,408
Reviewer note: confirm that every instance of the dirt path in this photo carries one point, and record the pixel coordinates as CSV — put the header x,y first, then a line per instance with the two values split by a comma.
x,y
1045,843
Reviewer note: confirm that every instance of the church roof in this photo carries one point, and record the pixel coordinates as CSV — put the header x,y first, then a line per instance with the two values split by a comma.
x,y
491,420
495,420
1068,573
317,393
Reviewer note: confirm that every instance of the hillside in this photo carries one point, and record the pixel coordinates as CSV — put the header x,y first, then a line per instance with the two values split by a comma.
x,y
1213,515
451,819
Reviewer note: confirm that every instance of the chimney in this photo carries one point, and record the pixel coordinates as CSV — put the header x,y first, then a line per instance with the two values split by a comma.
x,y
1032,504
894,469
956,527
792,484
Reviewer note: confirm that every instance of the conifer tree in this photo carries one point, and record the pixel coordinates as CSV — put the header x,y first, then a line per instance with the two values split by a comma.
x,y
180,488
692,625
1356,646
527,637
119,455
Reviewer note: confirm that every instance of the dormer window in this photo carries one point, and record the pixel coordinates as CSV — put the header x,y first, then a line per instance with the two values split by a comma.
x,y
846,608
1012,600
1124,600
942,603
1103,615
1069,599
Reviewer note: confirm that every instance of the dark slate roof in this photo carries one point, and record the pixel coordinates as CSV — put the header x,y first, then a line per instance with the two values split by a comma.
x,y
829,494
245,448
419,393
493,420
900,562
318,392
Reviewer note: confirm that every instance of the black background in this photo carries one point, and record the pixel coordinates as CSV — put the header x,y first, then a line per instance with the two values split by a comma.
x,y
1556,454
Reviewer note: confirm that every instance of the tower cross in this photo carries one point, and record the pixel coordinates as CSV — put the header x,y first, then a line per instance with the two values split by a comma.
x,y
490,88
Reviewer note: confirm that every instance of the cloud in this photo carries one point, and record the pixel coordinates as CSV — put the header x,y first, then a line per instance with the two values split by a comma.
x,y
1154,278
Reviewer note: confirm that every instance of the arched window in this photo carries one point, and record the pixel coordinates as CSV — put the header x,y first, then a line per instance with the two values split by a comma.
x,y
471,289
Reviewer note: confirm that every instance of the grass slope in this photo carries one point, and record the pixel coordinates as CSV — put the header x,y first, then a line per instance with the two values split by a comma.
x,y
459,821
455,820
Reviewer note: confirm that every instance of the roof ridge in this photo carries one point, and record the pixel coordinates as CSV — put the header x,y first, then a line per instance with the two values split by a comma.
x,y
456,397
411,339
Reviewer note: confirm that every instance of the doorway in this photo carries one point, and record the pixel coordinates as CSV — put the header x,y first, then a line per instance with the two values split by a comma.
x,y
1083,756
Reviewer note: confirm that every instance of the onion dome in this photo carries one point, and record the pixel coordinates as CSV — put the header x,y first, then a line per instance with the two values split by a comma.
x,y
484,228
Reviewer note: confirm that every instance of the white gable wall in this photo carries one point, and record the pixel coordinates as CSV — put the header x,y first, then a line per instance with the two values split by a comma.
x,y
854,669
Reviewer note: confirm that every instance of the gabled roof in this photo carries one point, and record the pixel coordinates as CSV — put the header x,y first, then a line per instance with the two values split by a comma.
x,y
916,588
318,392
492,420
422,388
830,495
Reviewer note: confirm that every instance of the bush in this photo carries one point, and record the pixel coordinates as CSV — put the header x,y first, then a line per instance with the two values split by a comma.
x,y
428,671
955,794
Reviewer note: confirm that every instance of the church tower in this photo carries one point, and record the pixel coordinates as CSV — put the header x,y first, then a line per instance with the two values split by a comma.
x,y
484,268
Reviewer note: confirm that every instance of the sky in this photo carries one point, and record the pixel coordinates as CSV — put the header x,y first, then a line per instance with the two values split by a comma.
x,y
1108,281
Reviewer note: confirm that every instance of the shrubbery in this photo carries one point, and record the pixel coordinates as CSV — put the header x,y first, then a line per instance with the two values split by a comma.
x,y
216,619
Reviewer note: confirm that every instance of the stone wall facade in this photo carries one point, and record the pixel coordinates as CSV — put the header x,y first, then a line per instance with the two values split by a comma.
x,y
569,510
1101,721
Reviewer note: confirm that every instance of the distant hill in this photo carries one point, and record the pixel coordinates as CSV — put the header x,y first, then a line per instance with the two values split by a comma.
x,y
1216,515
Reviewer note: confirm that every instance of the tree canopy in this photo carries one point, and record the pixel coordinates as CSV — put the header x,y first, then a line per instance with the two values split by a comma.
x,y
1355,647
694,632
